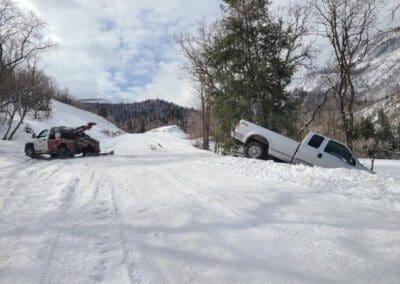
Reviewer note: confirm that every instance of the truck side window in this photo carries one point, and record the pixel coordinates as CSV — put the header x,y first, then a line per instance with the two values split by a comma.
x,y
316,141
340,151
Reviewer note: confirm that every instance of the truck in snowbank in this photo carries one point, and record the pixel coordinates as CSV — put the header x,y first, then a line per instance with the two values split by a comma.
x,y
314,150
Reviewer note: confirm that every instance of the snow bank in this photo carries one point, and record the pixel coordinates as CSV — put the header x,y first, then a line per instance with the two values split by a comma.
x,y
172,130
351,184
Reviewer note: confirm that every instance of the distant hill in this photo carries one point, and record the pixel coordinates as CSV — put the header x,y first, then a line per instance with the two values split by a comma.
x,y
143,116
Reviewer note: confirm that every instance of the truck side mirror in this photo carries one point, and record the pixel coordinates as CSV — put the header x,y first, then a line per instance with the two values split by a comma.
x,y
353,162
33,135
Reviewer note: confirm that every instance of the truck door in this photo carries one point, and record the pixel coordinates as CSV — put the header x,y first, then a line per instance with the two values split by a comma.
x,y
309,150
41,142
336,155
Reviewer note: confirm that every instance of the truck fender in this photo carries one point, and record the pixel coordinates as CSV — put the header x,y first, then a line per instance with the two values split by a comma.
x,y
257,138
30,144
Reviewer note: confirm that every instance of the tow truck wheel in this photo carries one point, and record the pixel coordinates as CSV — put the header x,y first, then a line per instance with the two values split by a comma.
x,y
30,152
63,152
254,150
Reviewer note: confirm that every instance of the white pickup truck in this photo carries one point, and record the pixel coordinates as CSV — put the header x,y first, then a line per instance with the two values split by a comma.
x,y
314,150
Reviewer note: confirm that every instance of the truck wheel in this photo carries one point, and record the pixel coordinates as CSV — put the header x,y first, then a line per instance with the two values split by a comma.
x,y
30,152
63,152
254,150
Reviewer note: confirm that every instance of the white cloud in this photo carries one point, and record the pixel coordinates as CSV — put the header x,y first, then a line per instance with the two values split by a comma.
x,y
120,50
168,84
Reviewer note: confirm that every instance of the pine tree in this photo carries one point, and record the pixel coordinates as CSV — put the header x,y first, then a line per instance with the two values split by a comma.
x,y
103,112
250,69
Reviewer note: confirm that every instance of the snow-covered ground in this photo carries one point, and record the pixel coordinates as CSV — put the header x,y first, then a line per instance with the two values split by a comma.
x,y
161,211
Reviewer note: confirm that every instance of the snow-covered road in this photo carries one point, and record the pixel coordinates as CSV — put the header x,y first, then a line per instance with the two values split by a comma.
x,y
160,211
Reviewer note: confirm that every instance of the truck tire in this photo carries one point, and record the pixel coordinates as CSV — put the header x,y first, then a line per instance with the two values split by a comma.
x,y
63,152
255,150
30,151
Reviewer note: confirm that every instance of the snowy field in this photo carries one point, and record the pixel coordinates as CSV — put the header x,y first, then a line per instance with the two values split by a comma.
x,y
161,211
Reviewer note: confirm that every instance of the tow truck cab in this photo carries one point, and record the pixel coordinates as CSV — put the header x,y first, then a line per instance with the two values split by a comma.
x,y
322,151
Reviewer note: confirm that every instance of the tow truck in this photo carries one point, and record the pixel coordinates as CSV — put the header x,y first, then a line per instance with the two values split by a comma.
x,y
63,142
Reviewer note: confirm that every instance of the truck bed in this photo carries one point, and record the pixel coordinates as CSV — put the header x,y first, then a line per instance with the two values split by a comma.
x,y
280,147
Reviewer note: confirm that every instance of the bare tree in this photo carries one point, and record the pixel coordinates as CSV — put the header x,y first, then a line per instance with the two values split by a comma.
x,y
30,92
22,40
347,25
299,51
195,48
395,10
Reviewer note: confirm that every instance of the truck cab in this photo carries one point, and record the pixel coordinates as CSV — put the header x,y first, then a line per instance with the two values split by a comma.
x,y
40,141
322,151
49,141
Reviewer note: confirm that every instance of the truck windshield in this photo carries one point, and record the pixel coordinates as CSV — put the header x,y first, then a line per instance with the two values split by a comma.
x,y
340,151
43,133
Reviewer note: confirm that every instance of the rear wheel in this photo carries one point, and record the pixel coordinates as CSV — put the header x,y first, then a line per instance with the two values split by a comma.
x,y
63,152
255,150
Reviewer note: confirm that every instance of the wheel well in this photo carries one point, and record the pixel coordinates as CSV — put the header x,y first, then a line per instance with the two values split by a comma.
x,y
257,138
29,145
62,145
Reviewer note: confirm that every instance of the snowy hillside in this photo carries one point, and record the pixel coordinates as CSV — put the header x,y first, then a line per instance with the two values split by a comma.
x,y
376,78
66,115
162,211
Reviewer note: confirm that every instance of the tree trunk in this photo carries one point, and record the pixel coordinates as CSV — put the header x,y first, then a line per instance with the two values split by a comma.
x,y
372,162
21,120
10,122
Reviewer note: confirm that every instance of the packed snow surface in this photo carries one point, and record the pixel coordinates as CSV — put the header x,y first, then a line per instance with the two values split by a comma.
x,y
161,211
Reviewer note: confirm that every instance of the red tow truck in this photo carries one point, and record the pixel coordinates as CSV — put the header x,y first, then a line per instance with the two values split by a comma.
x,y
63,142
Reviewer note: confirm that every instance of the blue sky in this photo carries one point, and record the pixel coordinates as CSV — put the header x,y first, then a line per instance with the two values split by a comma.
x,y
121,50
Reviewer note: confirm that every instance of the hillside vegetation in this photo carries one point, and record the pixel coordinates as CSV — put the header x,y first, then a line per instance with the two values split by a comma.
x,y
142,116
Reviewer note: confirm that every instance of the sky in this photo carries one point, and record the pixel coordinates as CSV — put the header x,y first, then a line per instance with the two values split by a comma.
x,y
121,50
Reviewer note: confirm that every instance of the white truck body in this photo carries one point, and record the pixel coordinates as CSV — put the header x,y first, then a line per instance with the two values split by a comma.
x,y
314,150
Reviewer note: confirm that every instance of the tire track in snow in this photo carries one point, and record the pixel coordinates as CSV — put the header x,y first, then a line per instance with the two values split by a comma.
x,y
198,193
131,267
154,181
17,185
52,243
